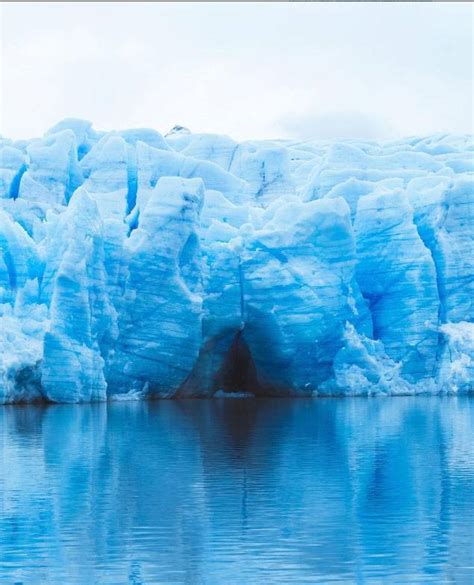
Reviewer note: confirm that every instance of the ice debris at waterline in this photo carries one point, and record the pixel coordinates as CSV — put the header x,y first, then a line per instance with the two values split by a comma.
x,y
137,265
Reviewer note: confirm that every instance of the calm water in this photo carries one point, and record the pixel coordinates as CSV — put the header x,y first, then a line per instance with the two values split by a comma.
x,y
238,491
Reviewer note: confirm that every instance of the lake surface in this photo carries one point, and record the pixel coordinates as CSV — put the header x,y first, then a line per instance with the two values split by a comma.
x,y
238,491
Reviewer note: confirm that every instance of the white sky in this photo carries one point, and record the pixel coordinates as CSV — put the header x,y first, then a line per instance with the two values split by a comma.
x,y
250,70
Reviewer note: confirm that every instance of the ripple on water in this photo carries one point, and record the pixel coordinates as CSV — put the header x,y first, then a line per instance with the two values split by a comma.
x,y
238,491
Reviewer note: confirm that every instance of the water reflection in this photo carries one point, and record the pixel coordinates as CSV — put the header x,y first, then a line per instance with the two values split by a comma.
x,y
238,491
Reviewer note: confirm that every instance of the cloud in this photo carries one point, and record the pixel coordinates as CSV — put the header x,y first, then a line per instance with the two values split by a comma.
x,y
332,125
332,70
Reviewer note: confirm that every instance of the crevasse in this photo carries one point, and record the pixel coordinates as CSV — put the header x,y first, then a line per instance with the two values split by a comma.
x,y
135,265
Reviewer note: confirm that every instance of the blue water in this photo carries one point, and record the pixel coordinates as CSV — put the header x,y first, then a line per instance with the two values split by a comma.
x,y
238,491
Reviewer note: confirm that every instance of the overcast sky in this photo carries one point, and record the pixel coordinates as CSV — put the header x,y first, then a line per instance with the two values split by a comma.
x,y
258,70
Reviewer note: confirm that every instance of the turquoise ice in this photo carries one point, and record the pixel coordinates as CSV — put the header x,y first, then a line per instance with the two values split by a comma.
x,y
134,264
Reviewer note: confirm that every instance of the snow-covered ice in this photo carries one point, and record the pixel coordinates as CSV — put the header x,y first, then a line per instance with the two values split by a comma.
x,y
135,265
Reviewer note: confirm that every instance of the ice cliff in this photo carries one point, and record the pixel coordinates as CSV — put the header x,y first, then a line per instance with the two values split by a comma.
x,y
135,265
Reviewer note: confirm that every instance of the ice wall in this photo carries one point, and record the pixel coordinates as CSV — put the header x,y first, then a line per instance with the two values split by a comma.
x,y
135,265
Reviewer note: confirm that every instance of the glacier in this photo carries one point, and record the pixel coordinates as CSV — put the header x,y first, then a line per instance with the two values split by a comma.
x,y
136,265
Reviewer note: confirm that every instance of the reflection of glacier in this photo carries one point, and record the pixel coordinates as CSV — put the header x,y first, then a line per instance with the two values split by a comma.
x,y
136,264
244,491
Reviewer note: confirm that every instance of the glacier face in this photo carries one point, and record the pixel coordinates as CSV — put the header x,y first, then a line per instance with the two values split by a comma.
x,y
135,265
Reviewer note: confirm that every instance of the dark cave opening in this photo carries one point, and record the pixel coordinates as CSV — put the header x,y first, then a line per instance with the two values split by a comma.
x,y
238,372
